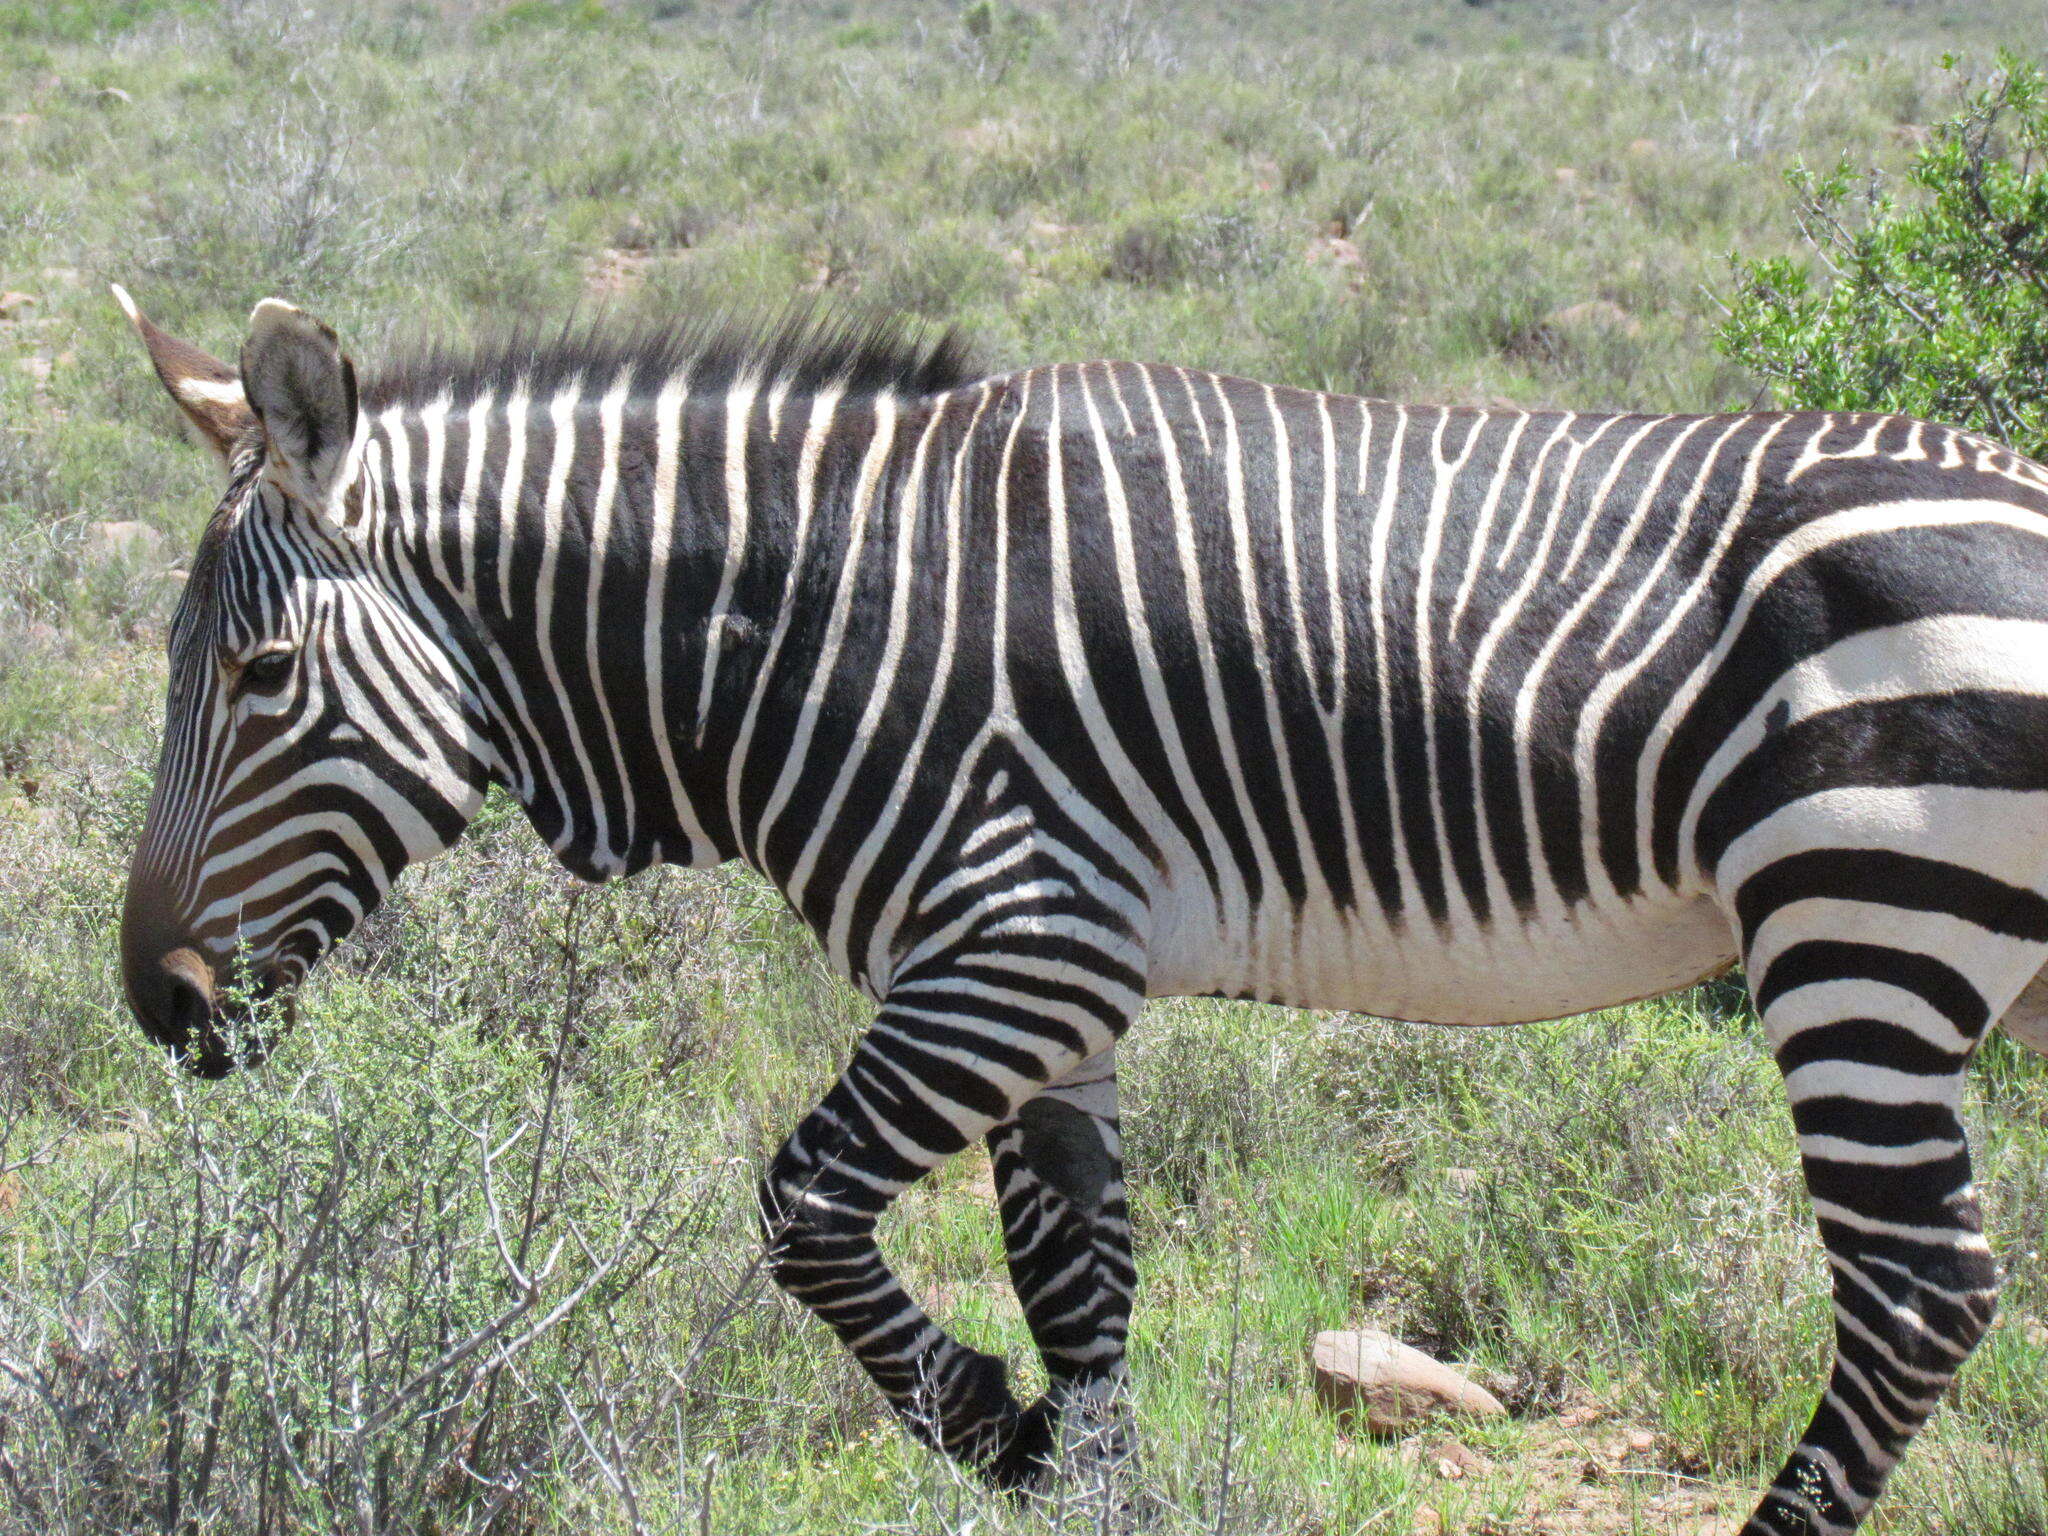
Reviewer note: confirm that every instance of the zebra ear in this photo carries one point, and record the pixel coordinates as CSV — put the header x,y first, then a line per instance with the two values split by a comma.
x,y
303,391
204,387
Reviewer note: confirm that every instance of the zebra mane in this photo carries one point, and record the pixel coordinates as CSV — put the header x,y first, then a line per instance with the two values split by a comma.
x,y
191,620
803,349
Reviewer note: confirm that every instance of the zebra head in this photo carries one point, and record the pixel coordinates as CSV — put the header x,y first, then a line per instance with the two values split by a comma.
x,y
319,733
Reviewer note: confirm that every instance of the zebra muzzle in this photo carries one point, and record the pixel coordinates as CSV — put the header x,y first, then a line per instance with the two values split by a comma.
x,y
209,1030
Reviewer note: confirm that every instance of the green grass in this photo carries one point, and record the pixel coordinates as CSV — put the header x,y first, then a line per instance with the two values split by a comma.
x,y
1599,1217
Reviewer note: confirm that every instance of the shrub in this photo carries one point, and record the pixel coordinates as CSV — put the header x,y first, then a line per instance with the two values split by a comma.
x,y
1201,246
1936,306
425,1273
77,21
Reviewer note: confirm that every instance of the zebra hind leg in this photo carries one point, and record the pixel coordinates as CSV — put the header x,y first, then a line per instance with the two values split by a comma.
x,y
1872,1009
1059,1186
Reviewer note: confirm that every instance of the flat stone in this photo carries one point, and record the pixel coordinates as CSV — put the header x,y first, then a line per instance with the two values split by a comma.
x,y
1593,315
13,302
1455,1459
1364,1373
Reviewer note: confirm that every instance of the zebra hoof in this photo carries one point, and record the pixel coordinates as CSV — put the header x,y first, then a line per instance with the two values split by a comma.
x,y
1025,1463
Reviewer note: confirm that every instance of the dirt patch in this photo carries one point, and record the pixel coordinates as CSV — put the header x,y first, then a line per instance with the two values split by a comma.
x,y
1583,1473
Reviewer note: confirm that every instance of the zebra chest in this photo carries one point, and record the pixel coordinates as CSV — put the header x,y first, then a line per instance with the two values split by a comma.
x,y
1539,966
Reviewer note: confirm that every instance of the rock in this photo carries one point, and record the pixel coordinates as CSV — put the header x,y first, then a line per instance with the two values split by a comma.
x,y
1463,1180
980,1176
1369,1373
1593,315
614,270
13,302
1341,254
1427,1521
113,96
1447,1458
132,541
125,1145
988,135
1454,1459
633,234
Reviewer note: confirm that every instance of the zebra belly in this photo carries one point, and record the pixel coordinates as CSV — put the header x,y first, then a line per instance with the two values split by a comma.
x,y
1536,967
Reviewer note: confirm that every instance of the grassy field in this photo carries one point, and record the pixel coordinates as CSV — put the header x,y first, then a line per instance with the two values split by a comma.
x,y
476,1250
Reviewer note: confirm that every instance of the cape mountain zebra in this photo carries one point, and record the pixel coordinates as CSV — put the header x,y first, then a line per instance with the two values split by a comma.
x,y
1040,694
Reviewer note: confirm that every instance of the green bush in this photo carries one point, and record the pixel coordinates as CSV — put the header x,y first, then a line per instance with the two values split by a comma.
x,y
1935,305
577,14
81,21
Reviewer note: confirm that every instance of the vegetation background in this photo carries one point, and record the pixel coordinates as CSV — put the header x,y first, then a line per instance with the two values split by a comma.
x,y
475,1251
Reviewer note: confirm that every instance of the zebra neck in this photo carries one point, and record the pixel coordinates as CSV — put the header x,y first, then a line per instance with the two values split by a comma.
x,y
632,581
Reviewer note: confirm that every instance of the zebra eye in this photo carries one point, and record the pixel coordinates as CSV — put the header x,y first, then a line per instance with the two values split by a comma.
x,y
268,672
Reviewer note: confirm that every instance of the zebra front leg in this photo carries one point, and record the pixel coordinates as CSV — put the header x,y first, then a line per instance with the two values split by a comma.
x,y
1066,1230
948,1059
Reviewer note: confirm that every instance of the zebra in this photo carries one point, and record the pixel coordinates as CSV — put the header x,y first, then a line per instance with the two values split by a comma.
x,y
1041,693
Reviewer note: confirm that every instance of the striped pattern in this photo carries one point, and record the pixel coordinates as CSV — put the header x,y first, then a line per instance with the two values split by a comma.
x,y
1037,695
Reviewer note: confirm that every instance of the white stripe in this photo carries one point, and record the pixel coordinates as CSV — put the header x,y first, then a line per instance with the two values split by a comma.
x,y
661,514
739,408
611,412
